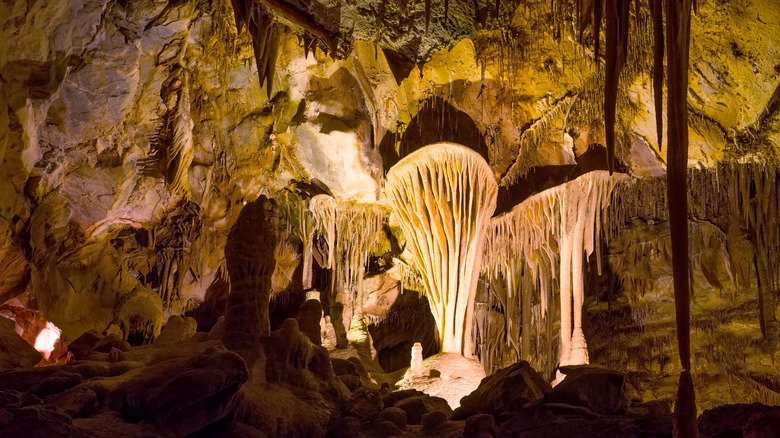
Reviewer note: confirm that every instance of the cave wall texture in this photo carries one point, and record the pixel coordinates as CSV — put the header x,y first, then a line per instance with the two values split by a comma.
x,y
132,133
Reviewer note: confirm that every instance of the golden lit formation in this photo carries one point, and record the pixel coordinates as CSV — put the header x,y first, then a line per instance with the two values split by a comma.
x,y
376,218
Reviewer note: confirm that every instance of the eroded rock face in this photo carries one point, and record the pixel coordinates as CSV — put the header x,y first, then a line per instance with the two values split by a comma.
x,y
14,351
182,397
91,86
753,420
600,390
107,392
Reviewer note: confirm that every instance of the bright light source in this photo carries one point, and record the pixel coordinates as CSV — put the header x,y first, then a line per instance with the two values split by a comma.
x,y
46,339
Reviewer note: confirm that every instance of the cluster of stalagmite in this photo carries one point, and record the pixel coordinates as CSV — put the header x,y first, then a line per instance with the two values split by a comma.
x,y
519,252
352,231
444,195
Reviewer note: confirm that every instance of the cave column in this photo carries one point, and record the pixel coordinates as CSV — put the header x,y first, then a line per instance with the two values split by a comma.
x,y
579,350
565,285
576,210
308,245
444,195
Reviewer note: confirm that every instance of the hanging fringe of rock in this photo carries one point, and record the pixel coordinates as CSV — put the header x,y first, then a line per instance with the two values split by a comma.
x,y
505,48
741,198
534,135
755,199
295,212
524,247
411,279
646,197
172,148
175,243
139,316
352,231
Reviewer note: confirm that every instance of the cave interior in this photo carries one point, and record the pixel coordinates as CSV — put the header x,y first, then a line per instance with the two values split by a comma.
x,y
376,218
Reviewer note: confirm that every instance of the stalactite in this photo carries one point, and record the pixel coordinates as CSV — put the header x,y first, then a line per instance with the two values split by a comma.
x,y
585,14
427,14
656,10
678,23
240,12
444,195
300,224
352,231
616,54
411,279
520,248
597,10
266,33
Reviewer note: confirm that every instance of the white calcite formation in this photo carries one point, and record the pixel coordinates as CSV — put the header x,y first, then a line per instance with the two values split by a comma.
x,y
444,195
352,230
518,248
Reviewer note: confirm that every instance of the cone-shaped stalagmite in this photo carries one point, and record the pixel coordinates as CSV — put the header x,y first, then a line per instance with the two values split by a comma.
x,y
249,254
444,195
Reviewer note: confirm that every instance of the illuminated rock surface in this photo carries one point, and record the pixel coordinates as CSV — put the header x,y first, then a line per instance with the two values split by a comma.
x,y
136,135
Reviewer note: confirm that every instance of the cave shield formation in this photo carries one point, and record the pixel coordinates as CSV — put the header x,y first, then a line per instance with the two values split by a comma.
x,y
444,195
238,218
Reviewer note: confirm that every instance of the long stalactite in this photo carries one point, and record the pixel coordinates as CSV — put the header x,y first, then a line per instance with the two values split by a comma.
x,y
617,18
656,11
678,26
352,230
519,249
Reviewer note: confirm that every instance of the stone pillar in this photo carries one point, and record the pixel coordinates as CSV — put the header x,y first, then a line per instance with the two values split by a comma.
x,y
249,253
415,368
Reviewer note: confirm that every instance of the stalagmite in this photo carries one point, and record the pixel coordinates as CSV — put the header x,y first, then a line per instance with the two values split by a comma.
x,y
415,367
444,195
250,263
